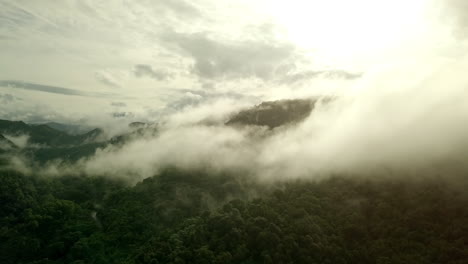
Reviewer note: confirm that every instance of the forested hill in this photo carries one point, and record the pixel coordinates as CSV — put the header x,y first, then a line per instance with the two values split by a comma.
x,y
273,114
201,217
218,215
46,135
57,142
43,143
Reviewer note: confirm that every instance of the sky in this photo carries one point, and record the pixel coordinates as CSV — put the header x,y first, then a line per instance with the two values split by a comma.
x,y
396,70
98,61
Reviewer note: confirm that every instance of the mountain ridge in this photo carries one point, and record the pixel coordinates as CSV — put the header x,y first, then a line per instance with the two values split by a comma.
x,y
45,143
273,114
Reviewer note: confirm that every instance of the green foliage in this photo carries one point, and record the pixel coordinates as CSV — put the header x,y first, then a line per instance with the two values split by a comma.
x,y
196,217
46,135
275,113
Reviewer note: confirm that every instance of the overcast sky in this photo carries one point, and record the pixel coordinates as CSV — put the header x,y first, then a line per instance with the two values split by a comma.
x,y
94,60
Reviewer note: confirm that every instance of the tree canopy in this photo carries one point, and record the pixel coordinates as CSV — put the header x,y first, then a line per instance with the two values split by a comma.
x,y
198,217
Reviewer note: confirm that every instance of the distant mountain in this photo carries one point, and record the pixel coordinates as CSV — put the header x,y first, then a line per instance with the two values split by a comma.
x,y
46,135
69,129
275,113
66,153
95,135
46,143
40,134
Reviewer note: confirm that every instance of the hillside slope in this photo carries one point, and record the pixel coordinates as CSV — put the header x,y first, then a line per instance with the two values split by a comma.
x,y
274,114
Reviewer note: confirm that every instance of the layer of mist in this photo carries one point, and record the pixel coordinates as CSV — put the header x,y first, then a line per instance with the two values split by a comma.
x,y
391,123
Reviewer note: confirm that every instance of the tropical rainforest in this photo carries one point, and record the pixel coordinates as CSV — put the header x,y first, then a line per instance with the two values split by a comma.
x,y
233,132
209,215
198,217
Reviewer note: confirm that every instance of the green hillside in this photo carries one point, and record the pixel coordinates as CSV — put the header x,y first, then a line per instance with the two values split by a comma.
x,y
201,217
274,114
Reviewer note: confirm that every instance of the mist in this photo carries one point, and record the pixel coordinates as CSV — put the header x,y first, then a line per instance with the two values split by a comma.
x,y
250,131
405,114
20,141
395,121
404,121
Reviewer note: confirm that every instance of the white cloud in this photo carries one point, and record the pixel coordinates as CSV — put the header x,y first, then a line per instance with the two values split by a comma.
x,y
143,70
407,126
107,78
20,141
405,112
218,59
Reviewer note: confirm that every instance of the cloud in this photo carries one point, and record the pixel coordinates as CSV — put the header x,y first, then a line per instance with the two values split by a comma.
x,y
407,127
455,12
143,70
408,117
106,78
326,74
19,140
8,98
188,98
127,45
50,89
208,112
23,14
5,37
208,85
230,59
118,104
182,8
25,111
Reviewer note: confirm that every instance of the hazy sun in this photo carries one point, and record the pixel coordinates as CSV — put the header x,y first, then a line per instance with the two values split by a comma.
x,y
344,30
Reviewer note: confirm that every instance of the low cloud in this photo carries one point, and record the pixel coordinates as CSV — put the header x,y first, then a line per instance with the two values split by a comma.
x,y
325,74
20,141
455,12
410,118
118,104
182,8
230,59
406,126
107,79
194,98
403,128
8,98
143,70
49,89
5,38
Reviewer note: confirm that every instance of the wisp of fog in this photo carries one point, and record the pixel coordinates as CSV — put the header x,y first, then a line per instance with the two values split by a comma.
x,y
406,115
397,120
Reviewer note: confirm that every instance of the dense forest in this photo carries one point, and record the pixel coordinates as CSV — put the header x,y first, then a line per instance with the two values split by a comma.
x,y
217,216
233,132
201,217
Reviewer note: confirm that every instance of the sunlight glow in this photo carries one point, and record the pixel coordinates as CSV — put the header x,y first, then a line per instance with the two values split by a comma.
x,y
342,30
